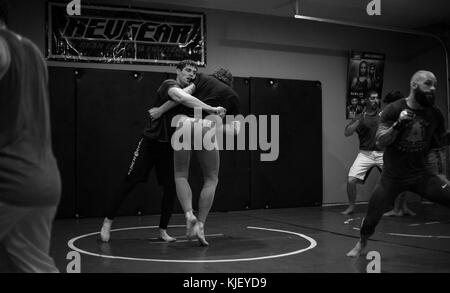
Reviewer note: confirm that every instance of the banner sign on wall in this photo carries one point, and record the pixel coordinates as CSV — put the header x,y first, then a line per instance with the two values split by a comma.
x,y
365,74
122,35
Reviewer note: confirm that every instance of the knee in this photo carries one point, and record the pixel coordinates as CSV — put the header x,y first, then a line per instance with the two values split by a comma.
x,y
181,176
367,229
352,180
211,180
366,232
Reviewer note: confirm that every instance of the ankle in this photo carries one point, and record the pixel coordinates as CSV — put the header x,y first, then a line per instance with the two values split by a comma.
x,y
189,215
363,241
107,222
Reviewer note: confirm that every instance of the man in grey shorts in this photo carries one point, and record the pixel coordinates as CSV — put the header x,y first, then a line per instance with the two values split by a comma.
x,y
369,155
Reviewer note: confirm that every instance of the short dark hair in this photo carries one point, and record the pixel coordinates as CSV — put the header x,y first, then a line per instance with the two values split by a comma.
x,y
371,93
224,75
182,64
3,11
393,96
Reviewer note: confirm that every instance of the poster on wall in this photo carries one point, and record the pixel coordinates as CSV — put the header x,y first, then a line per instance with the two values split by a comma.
x,y
123,35
365,74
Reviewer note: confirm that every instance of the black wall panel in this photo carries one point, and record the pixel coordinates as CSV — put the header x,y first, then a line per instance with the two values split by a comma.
x,y
62,114
111,114
295,178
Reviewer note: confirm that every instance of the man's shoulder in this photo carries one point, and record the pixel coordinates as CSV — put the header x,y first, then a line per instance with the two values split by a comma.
x,y
435,110
390,112
436,113
11,36
228,92
211,79
234,93
168,83
398,105
201,79
202,75
371,117
210,82
225,88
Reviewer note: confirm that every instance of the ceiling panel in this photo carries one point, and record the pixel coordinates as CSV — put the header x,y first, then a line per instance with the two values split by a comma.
x,y
397,13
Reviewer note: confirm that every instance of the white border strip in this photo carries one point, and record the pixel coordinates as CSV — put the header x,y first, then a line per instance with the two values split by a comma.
x,y
313,244
419,236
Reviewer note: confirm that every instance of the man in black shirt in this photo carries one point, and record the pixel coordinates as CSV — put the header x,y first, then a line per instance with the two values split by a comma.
x,y
407,128
154,149
369,155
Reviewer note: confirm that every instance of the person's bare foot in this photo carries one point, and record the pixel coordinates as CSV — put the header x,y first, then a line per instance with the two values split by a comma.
x,y
166,237
349,210
408,212
200,233
360,248
190,224
105,232
393,213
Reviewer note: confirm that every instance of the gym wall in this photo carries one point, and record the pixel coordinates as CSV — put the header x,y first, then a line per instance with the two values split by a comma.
x,y
98,117
286,48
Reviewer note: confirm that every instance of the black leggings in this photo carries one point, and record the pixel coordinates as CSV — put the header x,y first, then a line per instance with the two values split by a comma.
x,y
435,188
167,202
148,153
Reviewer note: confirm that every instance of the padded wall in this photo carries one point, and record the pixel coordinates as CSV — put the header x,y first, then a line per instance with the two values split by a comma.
x,y
62,113
295,178
111,114
98,117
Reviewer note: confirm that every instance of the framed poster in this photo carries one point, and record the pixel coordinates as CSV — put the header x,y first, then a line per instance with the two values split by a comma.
x,y
105,34
365,74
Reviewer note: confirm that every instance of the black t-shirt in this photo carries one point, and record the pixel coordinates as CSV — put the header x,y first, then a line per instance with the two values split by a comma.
x,y
367,130
435,144
160,129
213,92
405,158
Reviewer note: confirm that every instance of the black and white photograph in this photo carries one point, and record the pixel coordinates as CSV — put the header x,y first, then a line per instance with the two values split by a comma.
x,y
204,144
